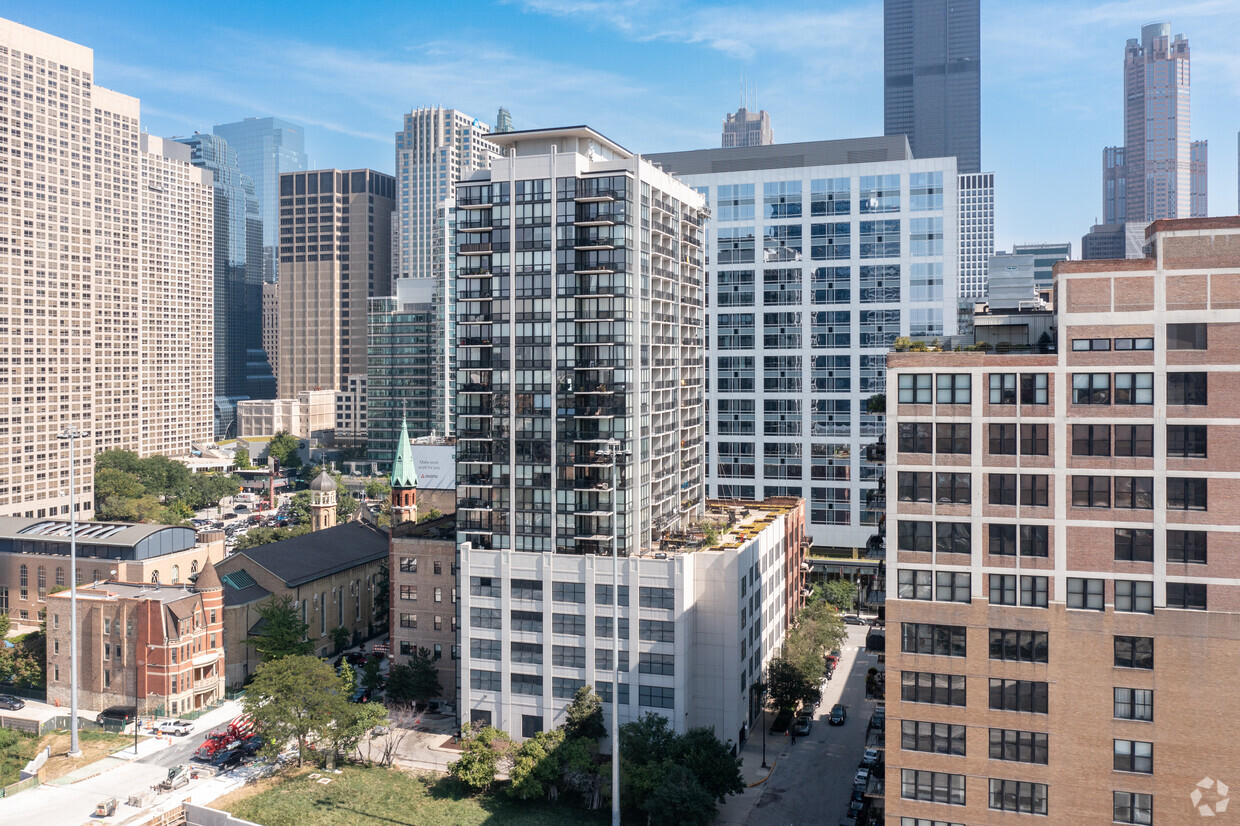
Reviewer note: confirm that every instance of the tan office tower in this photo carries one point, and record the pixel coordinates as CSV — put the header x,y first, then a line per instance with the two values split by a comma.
x,y
1065,622
72,341
177,312
335,254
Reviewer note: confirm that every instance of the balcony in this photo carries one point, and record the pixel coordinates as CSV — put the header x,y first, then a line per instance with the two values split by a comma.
x,y
474,454
474,295
473,503
876,500
474,387
876,544
475,433
474,479
474,341
465,249
474,272
480,407
593,194
876,453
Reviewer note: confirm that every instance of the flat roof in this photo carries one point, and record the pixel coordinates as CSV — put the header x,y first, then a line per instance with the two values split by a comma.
x,y
784,155
579,131
112,589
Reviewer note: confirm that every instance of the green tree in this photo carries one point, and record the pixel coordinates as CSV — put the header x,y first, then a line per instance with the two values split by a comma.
x,y
5,624
340,638
841,593
786,683
400,685
424,681
241,458
372,675
283,633
675,778
579,770
348,678
433,513
118,459
585,716
263,536
353,723
110,481
482,753
679,798
299,508
536,766
378,489
876,403
346,505
283,446
711,762
295,697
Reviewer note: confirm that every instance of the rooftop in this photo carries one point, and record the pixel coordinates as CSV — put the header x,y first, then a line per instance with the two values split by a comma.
x,y
785,155
581,132
112,590
131,540
736,522
312,556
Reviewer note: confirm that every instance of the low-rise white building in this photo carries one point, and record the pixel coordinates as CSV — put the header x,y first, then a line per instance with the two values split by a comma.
x,y
697,626
310,415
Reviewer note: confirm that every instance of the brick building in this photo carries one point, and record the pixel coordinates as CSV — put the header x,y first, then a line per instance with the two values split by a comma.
x,y
423,591
1067,610
157,648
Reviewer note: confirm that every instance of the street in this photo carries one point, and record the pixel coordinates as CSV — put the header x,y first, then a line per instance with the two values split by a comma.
x,y
812,782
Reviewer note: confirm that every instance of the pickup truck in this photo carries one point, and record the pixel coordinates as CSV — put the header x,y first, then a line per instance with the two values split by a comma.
x,y
179,728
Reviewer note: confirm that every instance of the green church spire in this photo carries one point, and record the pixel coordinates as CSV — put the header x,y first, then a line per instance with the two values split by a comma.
x,y
404,475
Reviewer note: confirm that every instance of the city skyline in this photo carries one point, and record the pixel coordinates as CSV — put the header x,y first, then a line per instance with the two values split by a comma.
x,y
1033,91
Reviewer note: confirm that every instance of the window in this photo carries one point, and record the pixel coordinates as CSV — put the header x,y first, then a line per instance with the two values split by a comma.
x,y
1134,492
1091,388
1134,544
531,589
531,724
1034,439
1186,546
656,631
484,586
952,488
408,620
952,586
1186,336
953,438
935,787
914,536
1186,494
526,621
1034,490
1018,796
602,659
1186,388
1033,388
657,598
603,627
1091,491
1187,595
1134,704
939,640
1186,441
1134,440
1003,388
408,564
485,680
1133,807
1003,488
1003,439
1019,746
953,388
914,388
1034,540
486,649
914,486
1033,591
1091,440
1134,756
653,696
1018,646
573,624
1002,589
914,437
409,592
1086,594
1134,652
664,664
1003,540
565,688
1134,388
913,584
1080,344
602,595
954,538
438,594
527,684
568,656
568,592
530,653
1134,344
1134,595
1018,695
936,738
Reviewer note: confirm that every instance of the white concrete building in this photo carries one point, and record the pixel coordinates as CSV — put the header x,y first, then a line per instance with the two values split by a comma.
x,y
819,255
697,627
310,415
977,231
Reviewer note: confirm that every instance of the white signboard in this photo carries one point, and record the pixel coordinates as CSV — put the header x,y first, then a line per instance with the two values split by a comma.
x,y
436,466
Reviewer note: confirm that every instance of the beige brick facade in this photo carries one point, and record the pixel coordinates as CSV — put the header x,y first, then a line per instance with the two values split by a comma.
x,y
423,568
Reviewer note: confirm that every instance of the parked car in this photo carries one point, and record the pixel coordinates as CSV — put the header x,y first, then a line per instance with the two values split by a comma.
x,y
177,728
250,745
861,778
802,726
118,714
227,759
855,808
838,715
869,758
853,619
11,703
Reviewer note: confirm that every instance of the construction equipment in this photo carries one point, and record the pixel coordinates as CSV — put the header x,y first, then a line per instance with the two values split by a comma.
x,y
178,776
221,739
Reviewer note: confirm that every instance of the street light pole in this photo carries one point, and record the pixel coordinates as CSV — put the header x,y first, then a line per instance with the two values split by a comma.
x,y
612,450
72,434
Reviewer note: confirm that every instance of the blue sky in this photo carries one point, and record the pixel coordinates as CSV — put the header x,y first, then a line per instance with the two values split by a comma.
x,y
656,76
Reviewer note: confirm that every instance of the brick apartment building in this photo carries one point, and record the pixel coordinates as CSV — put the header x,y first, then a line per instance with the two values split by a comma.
x,y
141,645
423,592
1059,528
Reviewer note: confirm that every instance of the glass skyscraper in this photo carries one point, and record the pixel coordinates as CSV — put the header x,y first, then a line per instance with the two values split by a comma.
x,y
241,367
932,78
267,147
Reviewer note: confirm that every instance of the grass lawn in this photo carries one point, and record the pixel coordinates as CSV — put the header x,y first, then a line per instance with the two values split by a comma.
x,y
95,745
16,750
383,797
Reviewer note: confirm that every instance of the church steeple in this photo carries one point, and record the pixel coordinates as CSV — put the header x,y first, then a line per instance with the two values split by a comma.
x,y
404,480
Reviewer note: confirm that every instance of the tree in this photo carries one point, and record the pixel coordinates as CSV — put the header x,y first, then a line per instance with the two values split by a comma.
x,y
876,403
372,676
299,508
536,766
340,638
711,762
284,447
378,489
585,716
348,678
424,681
5,624
786,683
433,513
346,505
263,536
241,458
675,778
482,753
356,722
294,697
841,593
679,798
283,633
400,686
